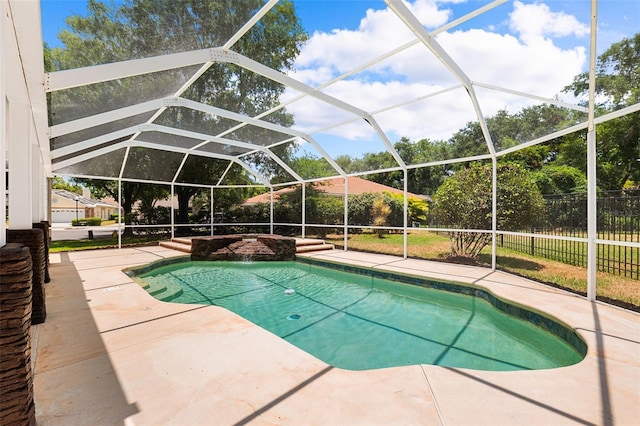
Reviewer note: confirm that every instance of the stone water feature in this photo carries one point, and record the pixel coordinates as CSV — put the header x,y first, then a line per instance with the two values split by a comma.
x,y
243,247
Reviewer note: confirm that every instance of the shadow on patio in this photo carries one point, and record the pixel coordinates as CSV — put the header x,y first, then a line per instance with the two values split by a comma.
x,y
74,378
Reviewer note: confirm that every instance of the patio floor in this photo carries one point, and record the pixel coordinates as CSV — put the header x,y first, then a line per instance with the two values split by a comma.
x,y
109,353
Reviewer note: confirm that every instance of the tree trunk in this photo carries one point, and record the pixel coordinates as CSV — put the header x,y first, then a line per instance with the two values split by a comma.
x,y
184,195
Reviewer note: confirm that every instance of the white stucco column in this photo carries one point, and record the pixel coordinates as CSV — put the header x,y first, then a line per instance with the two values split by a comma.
x,y
3,130
39,180
20,166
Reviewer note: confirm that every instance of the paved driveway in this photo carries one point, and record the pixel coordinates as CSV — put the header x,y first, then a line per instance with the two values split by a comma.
x,y
64,231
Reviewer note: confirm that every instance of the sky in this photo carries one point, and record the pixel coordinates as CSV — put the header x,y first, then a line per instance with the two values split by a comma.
x,y
528,46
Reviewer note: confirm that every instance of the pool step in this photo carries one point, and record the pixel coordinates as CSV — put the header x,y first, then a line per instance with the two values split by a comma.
x,y
180,244
163,291
303,245
172,291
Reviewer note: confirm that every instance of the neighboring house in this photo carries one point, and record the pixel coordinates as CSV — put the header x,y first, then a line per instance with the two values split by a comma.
x,y
335,187
66,206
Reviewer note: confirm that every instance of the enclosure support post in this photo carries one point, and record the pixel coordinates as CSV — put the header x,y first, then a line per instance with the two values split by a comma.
x,y
211,209
592,230
304,209
173,214
494,210
120,211
406,214
271,210
346,212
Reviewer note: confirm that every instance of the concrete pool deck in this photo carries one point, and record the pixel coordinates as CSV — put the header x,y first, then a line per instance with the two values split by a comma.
x,y
109,353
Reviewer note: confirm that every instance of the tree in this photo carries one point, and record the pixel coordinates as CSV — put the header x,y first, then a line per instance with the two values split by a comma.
x,y
209,171
618,86
617,75
142,28
425,180
417,208
150,214
560,179
59,183
464,201
309,167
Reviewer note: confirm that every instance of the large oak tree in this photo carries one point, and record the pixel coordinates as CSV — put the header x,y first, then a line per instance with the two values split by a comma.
x,y
143,28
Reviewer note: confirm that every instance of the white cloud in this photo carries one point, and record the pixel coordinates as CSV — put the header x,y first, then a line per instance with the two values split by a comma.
x,y
539,67
379,32
527,61
534,21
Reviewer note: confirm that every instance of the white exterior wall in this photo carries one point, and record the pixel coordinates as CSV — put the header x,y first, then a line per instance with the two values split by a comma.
x,y
3,124
23,115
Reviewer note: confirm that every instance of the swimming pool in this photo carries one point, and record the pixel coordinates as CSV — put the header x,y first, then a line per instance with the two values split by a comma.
x,y
361,322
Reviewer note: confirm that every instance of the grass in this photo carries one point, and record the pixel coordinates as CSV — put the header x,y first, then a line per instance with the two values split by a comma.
x,y
98,243
426,245
573,252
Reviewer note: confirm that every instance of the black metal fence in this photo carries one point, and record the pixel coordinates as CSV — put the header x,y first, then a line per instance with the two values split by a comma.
x,y
618,218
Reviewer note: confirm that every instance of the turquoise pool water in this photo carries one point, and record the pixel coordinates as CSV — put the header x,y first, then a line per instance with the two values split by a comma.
x,y
360,322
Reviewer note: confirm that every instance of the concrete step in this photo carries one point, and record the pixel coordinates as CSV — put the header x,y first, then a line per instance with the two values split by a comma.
x,y
308,242
314,247
182,240
303,245
186,248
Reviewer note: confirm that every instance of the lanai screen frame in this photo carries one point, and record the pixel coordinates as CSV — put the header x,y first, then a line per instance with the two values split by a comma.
x,y
204,58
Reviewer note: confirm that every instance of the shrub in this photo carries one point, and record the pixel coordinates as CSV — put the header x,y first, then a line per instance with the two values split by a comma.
x,y
87,221
417,208
464,201
380,212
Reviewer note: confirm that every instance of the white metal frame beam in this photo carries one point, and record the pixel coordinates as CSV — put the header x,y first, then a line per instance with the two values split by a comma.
x,y
410,20
89,75
160,104
592,225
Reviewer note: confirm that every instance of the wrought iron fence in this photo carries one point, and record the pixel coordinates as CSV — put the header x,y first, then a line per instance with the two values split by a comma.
x,y
618,219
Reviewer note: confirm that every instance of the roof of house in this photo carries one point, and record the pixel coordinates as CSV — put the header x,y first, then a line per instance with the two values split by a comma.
x,y
87,202
335,187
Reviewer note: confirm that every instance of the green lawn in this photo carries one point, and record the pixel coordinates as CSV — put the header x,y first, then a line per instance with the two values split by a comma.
x,y
431,246
87,244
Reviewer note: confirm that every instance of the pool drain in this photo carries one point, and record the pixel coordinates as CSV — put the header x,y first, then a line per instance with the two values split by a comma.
x,y
294,317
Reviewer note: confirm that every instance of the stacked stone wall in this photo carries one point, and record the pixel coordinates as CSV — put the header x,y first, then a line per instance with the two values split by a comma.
x,y
46,228
284,248
16,378
202,247
34,240
243,247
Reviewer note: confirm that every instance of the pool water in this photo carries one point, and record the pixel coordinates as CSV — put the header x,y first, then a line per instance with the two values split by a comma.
x,y
360,322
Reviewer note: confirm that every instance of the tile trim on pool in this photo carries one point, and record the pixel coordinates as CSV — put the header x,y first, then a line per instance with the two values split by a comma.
x,y
551,325
143,269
